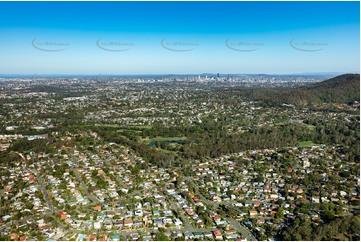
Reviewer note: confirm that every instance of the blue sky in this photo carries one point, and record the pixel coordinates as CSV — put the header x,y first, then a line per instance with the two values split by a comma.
x,y
178,37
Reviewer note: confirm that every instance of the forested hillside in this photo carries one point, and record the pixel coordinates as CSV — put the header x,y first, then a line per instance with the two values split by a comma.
x,y
340,89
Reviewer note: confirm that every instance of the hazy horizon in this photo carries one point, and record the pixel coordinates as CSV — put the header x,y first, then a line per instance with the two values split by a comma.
x,y
175,74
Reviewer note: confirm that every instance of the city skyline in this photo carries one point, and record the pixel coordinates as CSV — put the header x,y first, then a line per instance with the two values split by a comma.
x,y
128,38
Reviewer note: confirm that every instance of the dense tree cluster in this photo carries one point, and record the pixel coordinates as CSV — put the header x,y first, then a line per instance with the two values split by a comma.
x,y
344,228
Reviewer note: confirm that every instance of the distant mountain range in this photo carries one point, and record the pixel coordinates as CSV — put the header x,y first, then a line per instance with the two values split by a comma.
x,y
340,89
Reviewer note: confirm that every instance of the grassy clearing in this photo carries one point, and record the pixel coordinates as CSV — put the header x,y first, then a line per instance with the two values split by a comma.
x,y
309,126
137,127
160,139
125,127
129,130
307,143
107,125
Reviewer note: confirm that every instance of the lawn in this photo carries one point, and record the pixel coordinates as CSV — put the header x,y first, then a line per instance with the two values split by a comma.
x,y
107,125
309,126
165,139
307,143
138,127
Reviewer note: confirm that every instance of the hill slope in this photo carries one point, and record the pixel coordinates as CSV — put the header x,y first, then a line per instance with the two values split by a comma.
x,y
340,89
